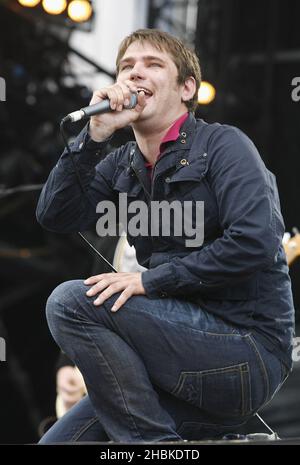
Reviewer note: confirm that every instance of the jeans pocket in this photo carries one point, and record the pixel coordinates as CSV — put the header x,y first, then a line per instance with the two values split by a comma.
x,y
225,392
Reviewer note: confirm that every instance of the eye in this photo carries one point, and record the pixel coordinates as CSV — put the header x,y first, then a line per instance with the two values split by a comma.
x,y
156,64
126,67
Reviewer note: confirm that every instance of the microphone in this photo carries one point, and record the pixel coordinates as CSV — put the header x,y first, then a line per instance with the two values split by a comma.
x,y
96,109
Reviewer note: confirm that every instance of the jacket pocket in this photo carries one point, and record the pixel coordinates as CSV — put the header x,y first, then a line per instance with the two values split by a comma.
x,y
194,170
186,179
224,392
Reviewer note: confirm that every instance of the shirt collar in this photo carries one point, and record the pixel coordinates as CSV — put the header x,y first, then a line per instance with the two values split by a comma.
x,y
171,135
173,132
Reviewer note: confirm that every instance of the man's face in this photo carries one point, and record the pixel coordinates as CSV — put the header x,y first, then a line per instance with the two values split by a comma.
x,y
156,73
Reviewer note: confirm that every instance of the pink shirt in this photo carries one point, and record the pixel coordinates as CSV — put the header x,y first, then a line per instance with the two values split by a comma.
x,y
172,134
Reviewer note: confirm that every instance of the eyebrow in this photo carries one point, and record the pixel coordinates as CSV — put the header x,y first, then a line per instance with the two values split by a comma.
x,y
145,58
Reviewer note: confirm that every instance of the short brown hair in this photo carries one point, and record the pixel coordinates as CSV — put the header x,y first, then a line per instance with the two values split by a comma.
x,y
184,58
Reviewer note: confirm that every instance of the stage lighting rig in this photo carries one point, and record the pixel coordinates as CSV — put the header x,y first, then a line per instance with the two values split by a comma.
x,y
54,7
29,3
73,11
79,10
206,93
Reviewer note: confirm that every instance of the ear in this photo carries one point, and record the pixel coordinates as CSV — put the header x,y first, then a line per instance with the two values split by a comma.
x,y
188,89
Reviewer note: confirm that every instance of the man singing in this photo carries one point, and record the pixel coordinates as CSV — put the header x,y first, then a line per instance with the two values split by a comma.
x,y
195,345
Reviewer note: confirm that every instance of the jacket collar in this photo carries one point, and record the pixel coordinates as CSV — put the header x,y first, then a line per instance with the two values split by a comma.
x,y
171,157
182,143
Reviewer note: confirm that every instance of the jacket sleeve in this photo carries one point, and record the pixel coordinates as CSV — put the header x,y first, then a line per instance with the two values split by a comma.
x,y
62,206
249,216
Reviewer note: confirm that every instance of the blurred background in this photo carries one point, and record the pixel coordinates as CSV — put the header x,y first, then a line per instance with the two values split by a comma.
x,y
53,54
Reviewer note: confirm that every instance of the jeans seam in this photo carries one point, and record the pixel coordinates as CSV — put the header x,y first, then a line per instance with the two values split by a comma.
x,y
75,314
250,392
245,376
84,428
262,367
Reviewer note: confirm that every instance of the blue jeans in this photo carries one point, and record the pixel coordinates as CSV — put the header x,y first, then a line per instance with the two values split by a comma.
x,y
157,369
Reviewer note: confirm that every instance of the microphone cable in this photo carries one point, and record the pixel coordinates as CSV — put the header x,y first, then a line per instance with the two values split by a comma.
x,y
83,190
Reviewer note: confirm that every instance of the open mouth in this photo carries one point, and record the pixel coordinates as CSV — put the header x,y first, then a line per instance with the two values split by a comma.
x,y
147,92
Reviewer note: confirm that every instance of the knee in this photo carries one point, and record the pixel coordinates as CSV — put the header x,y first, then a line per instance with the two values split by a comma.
x,y
62,298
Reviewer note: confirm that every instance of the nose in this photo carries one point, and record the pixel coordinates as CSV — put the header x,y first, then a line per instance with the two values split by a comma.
x,y
137,72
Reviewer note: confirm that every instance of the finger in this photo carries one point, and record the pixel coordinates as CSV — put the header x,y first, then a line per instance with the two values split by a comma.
x,y
131,86
128,89
98,96
99,287
113,282
141,102
126,294
127,93
113,96
109,291
94,279
121,97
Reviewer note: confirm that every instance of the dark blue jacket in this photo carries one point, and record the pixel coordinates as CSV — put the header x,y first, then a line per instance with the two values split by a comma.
x,y
240,272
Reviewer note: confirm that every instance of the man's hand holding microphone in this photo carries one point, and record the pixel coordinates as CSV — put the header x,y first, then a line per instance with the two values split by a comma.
x,y
120,96
111,108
